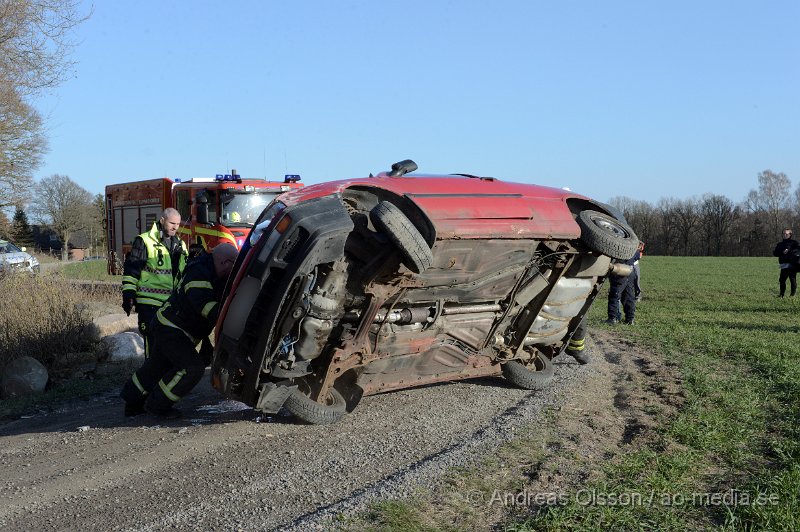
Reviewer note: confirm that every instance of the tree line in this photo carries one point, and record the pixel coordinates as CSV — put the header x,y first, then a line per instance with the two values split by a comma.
x,y
713,225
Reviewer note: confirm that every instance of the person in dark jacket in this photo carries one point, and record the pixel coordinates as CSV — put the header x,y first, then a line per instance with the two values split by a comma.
x,y
152,270
623,288
786,251
174,366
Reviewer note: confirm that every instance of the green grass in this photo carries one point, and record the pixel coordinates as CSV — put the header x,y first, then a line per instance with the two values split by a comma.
x,y
736,437
91,270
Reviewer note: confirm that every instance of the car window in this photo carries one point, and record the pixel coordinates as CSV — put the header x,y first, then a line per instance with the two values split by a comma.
x,y
8,247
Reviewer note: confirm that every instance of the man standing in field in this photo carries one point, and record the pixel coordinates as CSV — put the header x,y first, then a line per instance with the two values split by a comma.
x,y
787,252
622,288
152,269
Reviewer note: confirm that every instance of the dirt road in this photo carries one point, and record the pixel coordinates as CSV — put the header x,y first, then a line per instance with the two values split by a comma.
x,y
224,467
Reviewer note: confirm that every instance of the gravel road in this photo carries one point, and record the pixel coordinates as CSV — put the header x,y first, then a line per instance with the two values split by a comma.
x,y
223,467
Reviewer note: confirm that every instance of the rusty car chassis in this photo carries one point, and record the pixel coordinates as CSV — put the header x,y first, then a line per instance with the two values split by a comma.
x,y
356,287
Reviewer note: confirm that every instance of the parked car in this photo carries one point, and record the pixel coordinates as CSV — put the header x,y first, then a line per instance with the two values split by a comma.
x,y
356,287
13,258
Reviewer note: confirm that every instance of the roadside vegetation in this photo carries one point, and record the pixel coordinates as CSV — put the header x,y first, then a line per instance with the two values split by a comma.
x,y
89,270
42,316
729,459
48,318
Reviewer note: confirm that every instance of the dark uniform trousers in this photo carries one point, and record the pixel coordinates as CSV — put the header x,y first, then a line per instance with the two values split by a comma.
x,y
146,313
173,368
623,288
578,341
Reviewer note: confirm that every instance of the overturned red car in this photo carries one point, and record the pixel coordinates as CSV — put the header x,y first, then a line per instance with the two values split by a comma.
x,y
355,287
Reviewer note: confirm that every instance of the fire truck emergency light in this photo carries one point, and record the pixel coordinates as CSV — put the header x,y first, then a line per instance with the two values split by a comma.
x,y
229,177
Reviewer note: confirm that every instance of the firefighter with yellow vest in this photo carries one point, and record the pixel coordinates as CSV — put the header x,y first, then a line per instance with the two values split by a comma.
x,y
152,269
174,366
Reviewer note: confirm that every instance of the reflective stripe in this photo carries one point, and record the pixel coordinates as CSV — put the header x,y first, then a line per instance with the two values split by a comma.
x,y
208,308
141,300
576,345
197,284
212,232
158,271
138,384
165,321
167,388
147,290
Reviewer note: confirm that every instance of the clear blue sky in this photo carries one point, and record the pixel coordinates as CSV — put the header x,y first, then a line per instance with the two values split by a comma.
x,y
644,99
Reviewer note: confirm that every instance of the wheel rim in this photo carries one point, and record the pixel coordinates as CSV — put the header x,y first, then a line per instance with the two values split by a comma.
x,y
611,227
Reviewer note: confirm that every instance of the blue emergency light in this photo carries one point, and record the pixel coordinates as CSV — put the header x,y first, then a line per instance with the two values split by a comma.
x,y
228,177
291,178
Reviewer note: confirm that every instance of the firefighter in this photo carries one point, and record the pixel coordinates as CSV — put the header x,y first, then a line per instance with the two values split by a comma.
x,y
174,366
152,269
577,344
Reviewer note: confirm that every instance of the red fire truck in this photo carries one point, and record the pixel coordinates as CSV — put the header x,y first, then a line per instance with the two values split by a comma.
x,y
213,209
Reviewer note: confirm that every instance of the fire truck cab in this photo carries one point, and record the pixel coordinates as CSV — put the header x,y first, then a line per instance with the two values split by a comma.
x,y
213,210
224,208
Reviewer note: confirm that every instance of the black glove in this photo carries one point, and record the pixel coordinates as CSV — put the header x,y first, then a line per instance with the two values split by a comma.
x,y
128,300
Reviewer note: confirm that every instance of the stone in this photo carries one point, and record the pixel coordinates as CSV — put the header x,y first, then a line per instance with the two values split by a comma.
x,y
23,376
112,324
124,346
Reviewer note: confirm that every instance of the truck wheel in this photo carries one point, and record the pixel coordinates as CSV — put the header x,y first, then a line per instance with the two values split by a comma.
x,y
310,411
536,376
607,235
390,220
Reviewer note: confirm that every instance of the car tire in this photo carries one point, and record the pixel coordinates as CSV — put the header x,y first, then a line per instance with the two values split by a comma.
x,y
607,235
529,379
310,411
390,220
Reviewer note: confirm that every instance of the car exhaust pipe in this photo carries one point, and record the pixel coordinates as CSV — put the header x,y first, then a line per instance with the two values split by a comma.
x,y
424,314
623,270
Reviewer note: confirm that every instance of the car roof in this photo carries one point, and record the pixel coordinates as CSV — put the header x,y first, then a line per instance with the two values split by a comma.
x,y
462,206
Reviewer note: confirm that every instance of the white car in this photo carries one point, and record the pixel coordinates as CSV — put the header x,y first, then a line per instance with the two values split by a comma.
x,y
13,258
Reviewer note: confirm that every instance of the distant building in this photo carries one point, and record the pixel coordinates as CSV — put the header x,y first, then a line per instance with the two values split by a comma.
x,y
47,241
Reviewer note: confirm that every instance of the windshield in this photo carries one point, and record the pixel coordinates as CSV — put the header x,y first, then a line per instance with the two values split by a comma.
x,y
243,208
8,247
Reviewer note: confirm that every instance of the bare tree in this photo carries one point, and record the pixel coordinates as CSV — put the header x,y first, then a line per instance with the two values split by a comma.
x,y
22,145
5,225
717,217
687,218
65,205
36,39
772,197
640,215
666,210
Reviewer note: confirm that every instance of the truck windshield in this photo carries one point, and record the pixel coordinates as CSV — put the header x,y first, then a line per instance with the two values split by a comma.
x,y
243,208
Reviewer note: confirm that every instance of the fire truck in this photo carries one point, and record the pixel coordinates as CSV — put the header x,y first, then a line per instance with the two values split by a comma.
x,y
213,209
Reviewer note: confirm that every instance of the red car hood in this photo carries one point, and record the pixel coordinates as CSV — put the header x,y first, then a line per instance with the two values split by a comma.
x,y
470,207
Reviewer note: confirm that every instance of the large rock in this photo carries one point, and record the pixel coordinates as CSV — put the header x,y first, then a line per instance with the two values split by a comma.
x,y
114,323
125,346
23,376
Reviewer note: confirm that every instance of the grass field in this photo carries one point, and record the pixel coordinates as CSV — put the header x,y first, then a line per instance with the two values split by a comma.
x,y
90,270
736,438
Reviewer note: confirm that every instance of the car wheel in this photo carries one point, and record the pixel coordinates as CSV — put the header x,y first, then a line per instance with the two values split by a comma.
x,y
607,235
536,376
390,220
310,411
